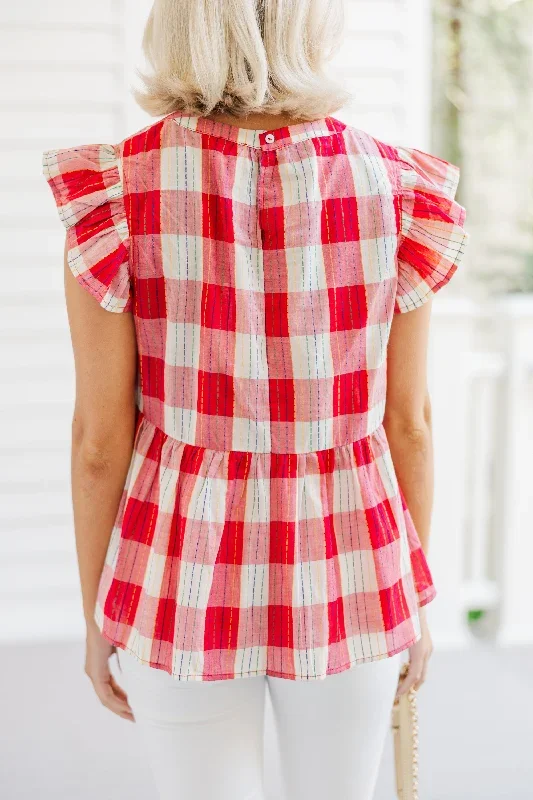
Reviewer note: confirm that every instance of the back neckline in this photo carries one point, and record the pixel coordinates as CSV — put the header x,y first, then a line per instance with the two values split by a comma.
x,y
263,138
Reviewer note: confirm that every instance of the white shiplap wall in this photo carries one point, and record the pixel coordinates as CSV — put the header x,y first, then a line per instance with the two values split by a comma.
x,y
64,70
62,77
385,60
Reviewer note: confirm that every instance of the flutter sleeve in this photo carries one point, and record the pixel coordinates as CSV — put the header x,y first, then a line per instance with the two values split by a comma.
x,y
432,240
88,190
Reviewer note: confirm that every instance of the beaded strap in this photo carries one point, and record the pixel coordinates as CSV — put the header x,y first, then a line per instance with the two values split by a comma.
x,y
405,729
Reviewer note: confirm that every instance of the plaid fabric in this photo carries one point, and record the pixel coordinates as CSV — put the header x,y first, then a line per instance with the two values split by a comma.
x,y
262,529
87,188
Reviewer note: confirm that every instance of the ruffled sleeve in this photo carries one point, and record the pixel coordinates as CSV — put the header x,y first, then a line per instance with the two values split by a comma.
x,y
432,240
88,190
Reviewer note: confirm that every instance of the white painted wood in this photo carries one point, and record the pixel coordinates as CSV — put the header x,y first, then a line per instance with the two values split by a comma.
x,y
61,70
47,501
42,318
387,43
514,524
58,128
480,591
88,85
42,616
377,91
132,26
371,52
58,12
485,372
38,355
376,16
33,45
417,37
32,252
33,282
451,342
27,466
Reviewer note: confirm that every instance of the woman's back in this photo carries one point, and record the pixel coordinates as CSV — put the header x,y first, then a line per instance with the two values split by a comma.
x,y
262,528
261,268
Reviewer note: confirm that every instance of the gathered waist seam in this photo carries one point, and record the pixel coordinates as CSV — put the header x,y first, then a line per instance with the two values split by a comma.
x,y
142,418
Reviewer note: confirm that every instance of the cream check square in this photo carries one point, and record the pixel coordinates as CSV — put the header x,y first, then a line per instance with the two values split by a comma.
x,y
251,435
140,645
377,337
305,269
358,572
254,585
257,500
249,274
375,416
313,435
250,356
168,480
309,499
183,344
181,168
311,356
310,583
244,186
208,500
378,258
251,659
181,421
387,474
194,584
313,658
188,663
366,645
182,256
346,491
156,571
370,175
299,184
410,299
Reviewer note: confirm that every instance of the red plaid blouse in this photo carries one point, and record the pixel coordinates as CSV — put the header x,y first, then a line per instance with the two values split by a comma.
x,y
262,529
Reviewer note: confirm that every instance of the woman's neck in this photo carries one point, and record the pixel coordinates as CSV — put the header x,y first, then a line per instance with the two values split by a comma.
x,y
255,121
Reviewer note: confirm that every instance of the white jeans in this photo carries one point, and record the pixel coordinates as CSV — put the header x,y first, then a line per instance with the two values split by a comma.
x,y
204,739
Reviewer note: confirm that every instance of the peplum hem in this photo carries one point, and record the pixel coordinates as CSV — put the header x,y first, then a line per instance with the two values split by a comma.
x,y
225,564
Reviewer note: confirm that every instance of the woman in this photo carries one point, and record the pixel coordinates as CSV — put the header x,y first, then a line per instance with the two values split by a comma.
x,y
245,418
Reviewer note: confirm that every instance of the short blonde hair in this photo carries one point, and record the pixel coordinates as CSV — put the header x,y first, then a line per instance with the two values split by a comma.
x,y
241,57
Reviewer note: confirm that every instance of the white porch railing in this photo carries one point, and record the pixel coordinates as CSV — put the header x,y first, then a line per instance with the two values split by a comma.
x,y
481,551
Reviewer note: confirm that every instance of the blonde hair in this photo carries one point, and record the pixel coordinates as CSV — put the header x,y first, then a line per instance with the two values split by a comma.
x,y
241,57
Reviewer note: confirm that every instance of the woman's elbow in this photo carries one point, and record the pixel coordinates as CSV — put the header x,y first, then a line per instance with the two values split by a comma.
x,y
90,448
411,423
96,443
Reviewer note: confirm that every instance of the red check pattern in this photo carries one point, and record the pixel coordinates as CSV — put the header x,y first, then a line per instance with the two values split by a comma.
x,y
262,529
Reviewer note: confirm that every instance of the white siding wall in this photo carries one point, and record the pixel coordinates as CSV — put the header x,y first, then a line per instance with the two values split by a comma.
x,y
62,77
64,70
385,60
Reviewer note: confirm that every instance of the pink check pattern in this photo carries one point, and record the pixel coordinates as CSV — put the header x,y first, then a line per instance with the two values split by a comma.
x,y
262,528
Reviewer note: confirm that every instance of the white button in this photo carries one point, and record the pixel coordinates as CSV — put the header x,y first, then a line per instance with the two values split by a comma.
x,y
269,137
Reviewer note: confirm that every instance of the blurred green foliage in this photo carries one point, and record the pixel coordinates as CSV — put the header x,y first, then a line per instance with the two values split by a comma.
x,y
483,85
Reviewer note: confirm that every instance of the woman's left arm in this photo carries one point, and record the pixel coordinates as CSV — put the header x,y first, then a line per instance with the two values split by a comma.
x,y
103,426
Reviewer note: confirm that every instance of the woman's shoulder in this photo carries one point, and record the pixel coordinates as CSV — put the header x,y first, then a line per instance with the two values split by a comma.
x,y
411,166
145,139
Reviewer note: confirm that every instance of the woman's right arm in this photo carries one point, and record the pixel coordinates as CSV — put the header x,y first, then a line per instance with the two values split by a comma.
x,y
407,419
407,423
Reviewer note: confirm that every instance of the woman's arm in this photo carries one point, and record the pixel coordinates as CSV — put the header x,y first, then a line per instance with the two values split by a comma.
x,y
407,419
103,426
407,423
